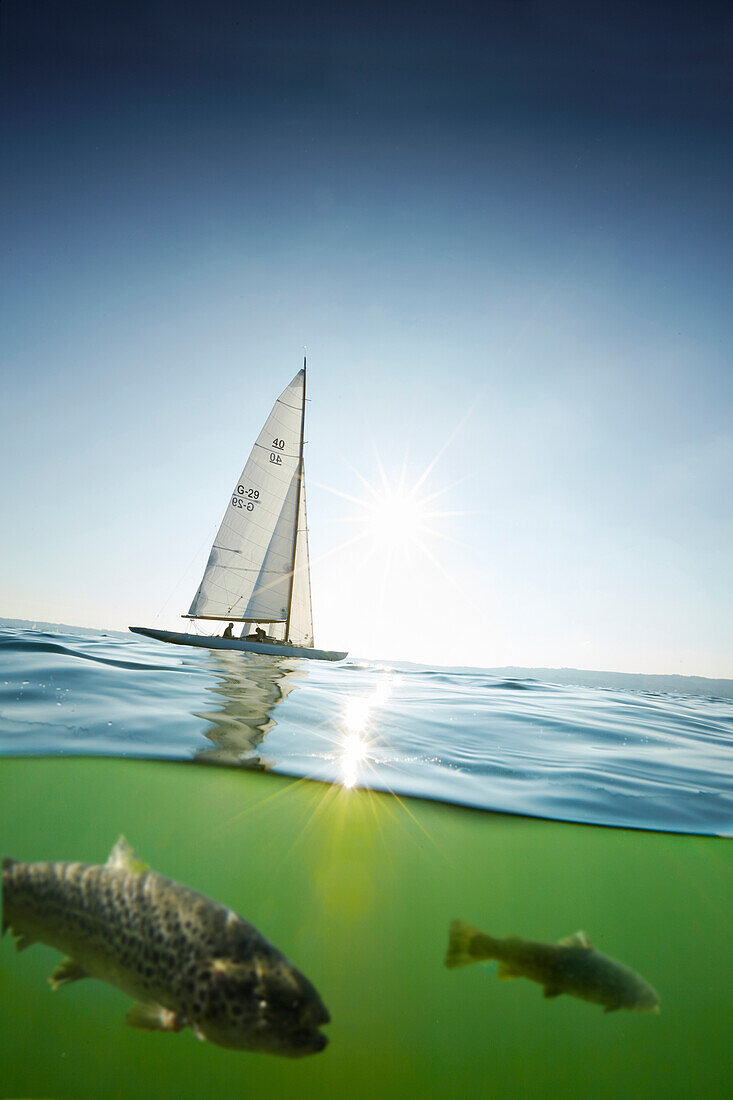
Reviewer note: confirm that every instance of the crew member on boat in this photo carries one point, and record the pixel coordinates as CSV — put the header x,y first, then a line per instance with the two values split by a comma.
x,y
228,631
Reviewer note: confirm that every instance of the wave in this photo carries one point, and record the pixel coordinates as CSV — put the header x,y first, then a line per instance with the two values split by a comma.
x,y
634,758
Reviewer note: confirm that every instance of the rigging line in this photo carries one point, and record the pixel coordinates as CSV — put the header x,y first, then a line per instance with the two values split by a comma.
x,y
200,630
187,569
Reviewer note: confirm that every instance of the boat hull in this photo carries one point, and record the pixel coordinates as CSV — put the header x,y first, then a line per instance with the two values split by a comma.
x,y
272,649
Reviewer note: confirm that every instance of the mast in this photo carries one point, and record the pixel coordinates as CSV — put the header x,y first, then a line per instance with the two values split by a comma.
x,y
297,510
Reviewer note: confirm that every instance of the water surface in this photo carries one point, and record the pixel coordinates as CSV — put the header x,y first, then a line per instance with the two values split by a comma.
x,y
636,758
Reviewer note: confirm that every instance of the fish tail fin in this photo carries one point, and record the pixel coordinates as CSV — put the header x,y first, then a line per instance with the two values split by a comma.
x,y
461,935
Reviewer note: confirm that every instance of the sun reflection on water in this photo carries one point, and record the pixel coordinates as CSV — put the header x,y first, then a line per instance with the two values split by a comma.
x,y
356,714
356,739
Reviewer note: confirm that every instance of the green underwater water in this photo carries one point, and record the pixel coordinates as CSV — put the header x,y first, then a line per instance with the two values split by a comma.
x,y
358,889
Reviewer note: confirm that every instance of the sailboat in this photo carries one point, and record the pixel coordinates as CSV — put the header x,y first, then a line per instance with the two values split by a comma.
x,y
258,572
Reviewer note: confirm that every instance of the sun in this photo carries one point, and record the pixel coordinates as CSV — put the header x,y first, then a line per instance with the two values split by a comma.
x,y
396,521
396,548
395,517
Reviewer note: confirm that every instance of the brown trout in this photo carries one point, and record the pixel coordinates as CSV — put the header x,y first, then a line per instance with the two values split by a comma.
x,y
187,960
572,966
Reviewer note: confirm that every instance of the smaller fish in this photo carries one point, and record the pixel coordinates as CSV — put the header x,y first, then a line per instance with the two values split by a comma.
x,y
572,966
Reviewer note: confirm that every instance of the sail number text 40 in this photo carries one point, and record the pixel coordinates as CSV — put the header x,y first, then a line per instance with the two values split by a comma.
x,y
279,445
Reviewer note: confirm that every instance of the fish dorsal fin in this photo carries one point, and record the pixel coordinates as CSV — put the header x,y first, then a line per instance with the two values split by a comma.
x,y
123,857
578,939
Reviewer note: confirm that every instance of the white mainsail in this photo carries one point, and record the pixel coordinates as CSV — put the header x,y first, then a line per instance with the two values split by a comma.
x,y
258,568
301,609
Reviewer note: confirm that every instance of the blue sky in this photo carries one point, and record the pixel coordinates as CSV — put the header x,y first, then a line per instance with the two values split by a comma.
x,y
503,232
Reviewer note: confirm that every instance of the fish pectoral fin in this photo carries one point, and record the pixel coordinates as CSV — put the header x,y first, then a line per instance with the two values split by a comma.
x,y
578,939
505,972
68,970
151,1017
123,857
551,991
21,939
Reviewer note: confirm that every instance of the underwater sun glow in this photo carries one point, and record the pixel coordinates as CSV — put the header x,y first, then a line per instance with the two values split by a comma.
x,y
353,753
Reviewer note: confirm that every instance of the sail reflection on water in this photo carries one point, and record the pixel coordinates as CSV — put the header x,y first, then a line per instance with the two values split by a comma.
x,y
250,688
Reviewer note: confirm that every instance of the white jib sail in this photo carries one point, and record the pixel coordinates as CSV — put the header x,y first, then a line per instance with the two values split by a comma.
x,y
248,575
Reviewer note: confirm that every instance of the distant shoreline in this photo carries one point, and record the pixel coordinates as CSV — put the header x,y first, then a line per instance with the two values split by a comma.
x,y
59,628
622,681
635,681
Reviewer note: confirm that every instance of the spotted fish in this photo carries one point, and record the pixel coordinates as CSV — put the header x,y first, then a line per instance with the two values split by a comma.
x,y
185,959
572,966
